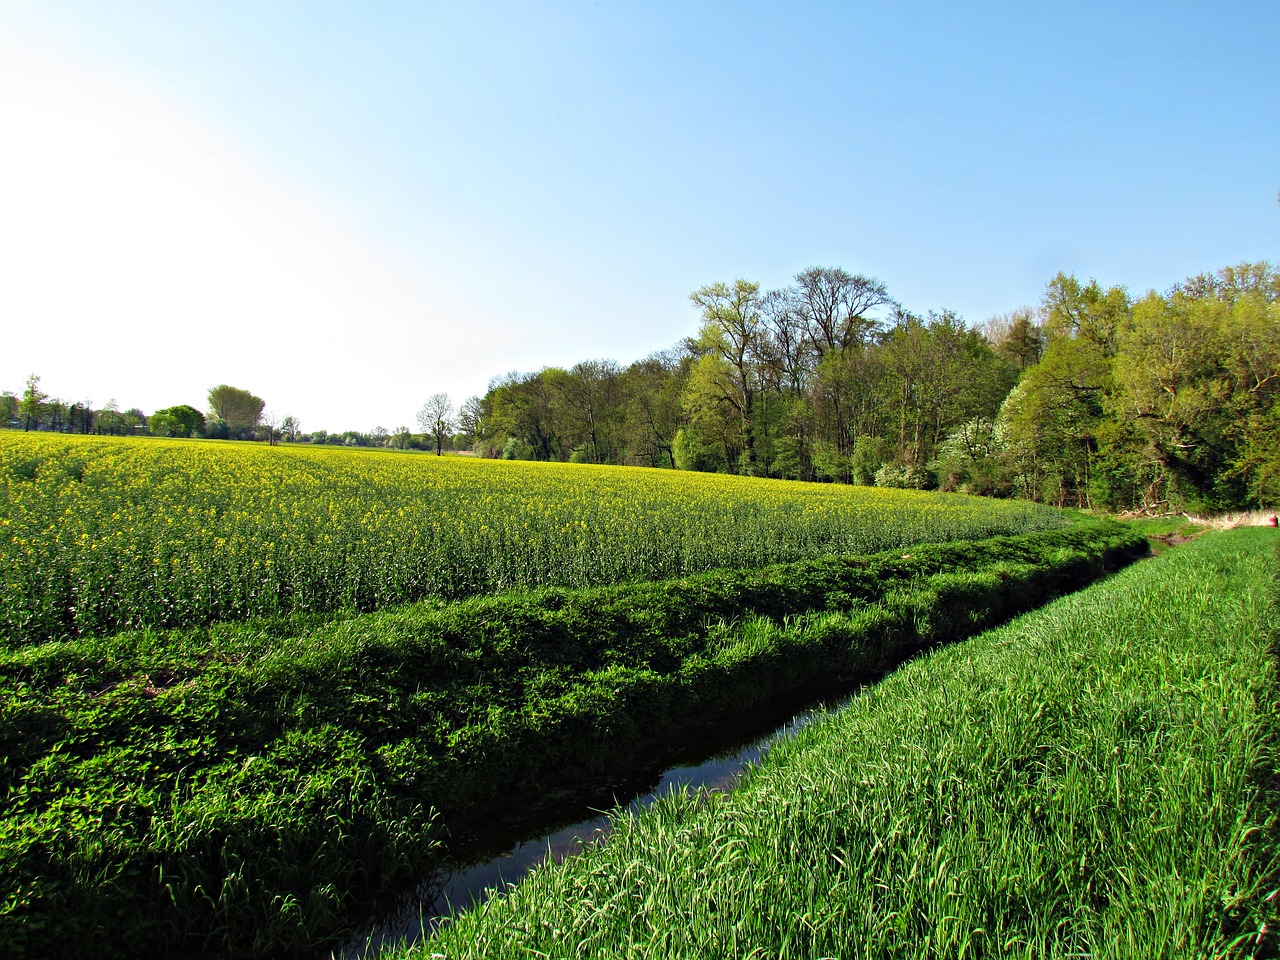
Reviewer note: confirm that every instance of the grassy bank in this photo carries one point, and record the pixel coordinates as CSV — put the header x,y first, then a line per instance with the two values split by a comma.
x,y
250,787
1094,779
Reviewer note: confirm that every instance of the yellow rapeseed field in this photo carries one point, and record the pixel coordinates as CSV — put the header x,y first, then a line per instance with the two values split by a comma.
x,y
99,534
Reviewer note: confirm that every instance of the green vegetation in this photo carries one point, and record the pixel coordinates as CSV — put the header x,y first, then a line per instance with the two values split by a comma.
x,y
1093,779
243,689
252,787
1095,398
99,534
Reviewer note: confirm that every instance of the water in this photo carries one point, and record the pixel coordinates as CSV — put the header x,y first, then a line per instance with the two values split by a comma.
x,y
710,758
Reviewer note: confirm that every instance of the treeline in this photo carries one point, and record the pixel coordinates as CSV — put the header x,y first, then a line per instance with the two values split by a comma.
x,y
234,414
34,409
1092,399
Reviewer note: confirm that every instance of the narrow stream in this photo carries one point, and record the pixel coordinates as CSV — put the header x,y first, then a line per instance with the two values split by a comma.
x,y
712,758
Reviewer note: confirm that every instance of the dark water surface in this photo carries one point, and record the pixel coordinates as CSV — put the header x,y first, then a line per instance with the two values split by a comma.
x,y
503,849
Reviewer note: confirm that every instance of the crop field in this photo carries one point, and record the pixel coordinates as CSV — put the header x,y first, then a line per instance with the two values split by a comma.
x,y
1094,779
102,534
244,688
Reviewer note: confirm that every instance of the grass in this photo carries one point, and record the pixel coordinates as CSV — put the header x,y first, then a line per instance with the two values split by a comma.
x,y
249,788
1093,779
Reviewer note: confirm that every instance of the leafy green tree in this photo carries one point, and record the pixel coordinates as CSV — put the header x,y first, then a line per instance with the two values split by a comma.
x,y
526,407
239,409
691,452
591,407
1016,337
651,390
32,406
1171,383
729,346
180,421
1198,372
713,409
1084,311
1051,421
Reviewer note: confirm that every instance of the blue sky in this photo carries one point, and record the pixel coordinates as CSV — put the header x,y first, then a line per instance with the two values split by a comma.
x,y
347,207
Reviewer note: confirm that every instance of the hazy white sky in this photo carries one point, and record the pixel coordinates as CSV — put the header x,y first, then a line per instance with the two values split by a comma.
x,y
347,207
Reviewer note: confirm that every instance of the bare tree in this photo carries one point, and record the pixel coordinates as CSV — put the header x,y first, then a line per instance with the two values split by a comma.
x,y
269,426
436,418
837,304
471,418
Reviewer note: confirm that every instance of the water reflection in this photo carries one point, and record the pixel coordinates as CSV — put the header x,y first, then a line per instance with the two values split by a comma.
x,y
546,835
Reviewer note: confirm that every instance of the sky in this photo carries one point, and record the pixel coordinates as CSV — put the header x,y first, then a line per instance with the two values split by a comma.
x,y
346,207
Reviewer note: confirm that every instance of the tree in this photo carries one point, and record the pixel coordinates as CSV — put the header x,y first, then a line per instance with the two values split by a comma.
x,y
1072,309
269,427
32,405
524,407
651,392
1017,337
729,344
836,305
1197,375
436,418
110,419
290,427
1052,419
179,421
471,419
837,308
590,398
239,409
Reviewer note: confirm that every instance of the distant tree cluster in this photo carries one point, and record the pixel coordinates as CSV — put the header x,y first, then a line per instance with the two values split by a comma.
x,y
34,409
1089,399
233,414
1092,398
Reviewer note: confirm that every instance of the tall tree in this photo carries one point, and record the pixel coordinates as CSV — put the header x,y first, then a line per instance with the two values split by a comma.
x,y
239,409
838,308
1017,337
729,342
471,419
436,418
1087,311
31,407
838,304
589,396
9,406
651,389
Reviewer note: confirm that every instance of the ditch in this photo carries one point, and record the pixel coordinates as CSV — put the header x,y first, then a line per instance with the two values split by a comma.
x,y
502,845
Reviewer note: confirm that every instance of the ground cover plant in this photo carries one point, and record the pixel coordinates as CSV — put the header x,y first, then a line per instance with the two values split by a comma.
x,y
248,787
1096,779
99,534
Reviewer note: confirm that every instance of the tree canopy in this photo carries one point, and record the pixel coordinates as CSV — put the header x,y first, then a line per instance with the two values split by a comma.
x,y
239,409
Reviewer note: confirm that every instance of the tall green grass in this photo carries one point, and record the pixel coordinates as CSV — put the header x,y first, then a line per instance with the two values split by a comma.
x,y
1095,779
248,788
